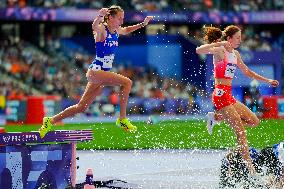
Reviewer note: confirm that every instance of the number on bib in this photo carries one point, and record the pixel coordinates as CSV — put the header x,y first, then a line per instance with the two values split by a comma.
x,y
230,70
107,62
219,92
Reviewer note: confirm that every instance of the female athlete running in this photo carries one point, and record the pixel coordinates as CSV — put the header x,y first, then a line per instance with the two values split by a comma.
x,y
106,29
226,59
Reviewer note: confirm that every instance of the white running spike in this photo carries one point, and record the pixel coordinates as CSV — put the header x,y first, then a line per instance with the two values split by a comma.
x,y
210,117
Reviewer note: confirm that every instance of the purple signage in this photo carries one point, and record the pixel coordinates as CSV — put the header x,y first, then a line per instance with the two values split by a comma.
x,y
87,15
53,136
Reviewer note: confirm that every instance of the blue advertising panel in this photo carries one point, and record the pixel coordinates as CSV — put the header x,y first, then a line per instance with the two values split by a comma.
x,y
280,104
32,166
27,162
16,110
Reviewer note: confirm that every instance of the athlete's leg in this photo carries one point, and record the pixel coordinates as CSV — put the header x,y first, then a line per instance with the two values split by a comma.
x,y
114,79
231,116
218,118
248,117
92,90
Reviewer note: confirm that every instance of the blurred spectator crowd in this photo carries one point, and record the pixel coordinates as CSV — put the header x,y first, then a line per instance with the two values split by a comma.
x,y
35,68
41,69
27,69
48,70
155,5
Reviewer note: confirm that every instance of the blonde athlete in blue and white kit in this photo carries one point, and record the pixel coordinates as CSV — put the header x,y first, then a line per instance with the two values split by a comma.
x,y
106,29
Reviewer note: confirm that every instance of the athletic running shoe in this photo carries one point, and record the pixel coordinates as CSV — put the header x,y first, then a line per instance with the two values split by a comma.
x,y
211,122
46,126
126,125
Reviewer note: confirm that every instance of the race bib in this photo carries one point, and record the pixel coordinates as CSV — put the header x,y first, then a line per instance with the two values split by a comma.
x,y
219,92
107,61
230,70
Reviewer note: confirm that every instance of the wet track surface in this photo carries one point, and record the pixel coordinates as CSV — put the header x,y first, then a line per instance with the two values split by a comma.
x,y
154,169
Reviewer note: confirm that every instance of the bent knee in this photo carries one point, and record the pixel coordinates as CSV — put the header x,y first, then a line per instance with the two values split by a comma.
x,y
127,83
255,122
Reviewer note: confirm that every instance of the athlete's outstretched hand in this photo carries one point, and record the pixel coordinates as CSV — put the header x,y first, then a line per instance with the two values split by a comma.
x,y
103,11
147,20
274,83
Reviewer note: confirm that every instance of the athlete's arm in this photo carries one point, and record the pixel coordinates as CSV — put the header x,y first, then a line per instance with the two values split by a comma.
x,y
129,29
98,29
210,48
96,26
248,72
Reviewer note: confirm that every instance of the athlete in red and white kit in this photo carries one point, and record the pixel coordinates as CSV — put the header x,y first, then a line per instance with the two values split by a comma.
x,y
226,60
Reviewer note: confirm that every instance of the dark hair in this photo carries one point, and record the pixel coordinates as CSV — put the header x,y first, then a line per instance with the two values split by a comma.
x,y
230,31
211,34
113,10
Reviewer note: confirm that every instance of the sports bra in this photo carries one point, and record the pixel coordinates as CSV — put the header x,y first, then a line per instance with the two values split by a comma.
x,y
226,68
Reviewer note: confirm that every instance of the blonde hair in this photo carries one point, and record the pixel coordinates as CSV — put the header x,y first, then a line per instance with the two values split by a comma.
x,y
113,10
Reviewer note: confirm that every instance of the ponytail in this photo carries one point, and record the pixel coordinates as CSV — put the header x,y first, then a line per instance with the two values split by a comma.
x,y
212,34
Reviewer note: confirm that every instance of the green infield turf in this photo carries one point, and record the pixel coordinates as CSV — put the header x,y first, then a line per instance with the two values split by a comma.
x,y
171,135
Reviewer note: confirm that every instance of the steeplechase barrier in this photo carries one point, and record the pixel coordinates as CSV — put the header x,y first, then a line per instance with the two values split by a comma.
x,y
28,161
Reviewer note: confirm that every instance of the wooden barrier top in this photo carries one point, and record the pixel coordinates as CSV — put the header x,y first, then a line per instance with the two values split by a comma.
x,y
13,138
